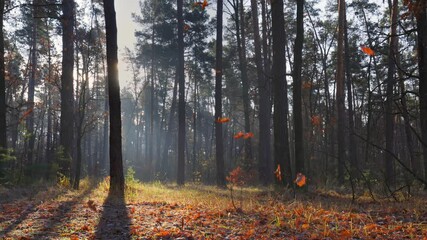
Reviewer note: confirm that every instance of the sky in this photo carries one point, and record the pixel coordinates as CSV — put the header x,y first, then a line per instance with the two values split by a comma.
x,y
125,34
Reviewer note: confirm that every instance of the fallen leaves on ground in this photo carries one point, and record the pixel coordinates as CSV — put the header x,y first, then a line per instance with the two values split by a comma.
x,y
265,215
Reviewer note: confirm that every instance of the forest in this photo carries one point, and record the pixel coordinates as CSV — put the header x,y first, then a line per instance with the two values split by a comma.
x,y
237,119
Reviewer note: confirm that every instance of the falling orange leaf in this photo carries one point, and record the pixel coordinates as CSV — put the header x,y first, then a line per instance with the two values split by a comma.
x,y
300,180
239,135
201,4
367,50
248,135
316,120
186,27
223,120
26,114
204,4
278,173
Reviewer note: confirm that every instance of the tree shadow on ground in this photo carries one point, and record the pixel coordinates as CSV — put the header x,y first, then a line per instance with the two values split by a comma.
x,y
114,222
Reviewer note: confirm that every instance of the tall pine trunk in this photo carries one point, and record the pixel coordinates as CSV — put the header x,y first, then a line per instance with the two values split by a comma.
x,y
67,98
3,138
280,120
264,103
389,117
117,181
340,95
297,96
220,177
181,95
422,65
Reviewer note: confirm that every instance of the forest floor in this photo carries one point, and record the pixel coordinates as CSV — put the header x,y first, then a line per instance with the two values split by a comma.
x,y
156,211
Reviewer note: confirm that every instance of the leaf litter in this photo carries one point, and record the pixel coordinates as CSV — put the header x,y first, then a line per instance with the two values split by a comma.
x,y
154,212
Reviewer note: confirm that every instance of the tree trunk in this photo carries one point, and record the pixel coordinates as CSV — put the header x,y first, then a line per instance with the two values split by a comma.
x,y
67,99
389,117
340,95
3,138
31,88
280,121
220,176
181,94
297,96
117,182
354,163
422,62
264,108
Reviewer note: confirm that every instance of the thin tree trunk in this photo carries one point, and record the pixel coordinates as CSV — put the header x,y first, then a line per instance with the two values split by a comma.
x,y
264,103
389,118
351,131
117,182
340,95
181,94
297,96
220,176
3,127
422,65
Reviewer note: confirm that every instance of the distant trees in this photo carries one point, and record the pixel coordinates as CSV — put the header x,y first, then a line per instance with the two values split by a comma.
x,y
358,94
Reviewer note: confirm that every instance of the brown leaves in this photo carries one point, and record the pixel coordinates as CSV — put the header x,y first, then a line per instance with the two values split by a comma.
x,y
236,177
91,205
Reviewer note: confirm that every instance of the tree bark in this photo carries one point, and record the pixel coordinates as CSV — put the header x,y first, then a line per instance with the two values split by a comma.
x,y
264,103
280,121
3,127
181,95
117,182
220,176
340,95
389,117
297,96
67,98
422,65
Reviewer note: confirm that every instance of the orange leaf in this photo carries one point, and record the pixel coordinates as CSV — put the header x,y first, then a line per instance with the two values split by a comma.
x,y
74,237
26,114
248,135
345,233
367,50
223,120
300,180
204,4
239,135
85,228
132,210
371,226
186,27
316,120
305,226
278,173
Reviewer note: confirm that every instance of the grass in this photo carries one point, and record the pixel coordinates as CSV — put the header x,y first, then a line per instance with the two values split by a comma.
x,y
167,211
